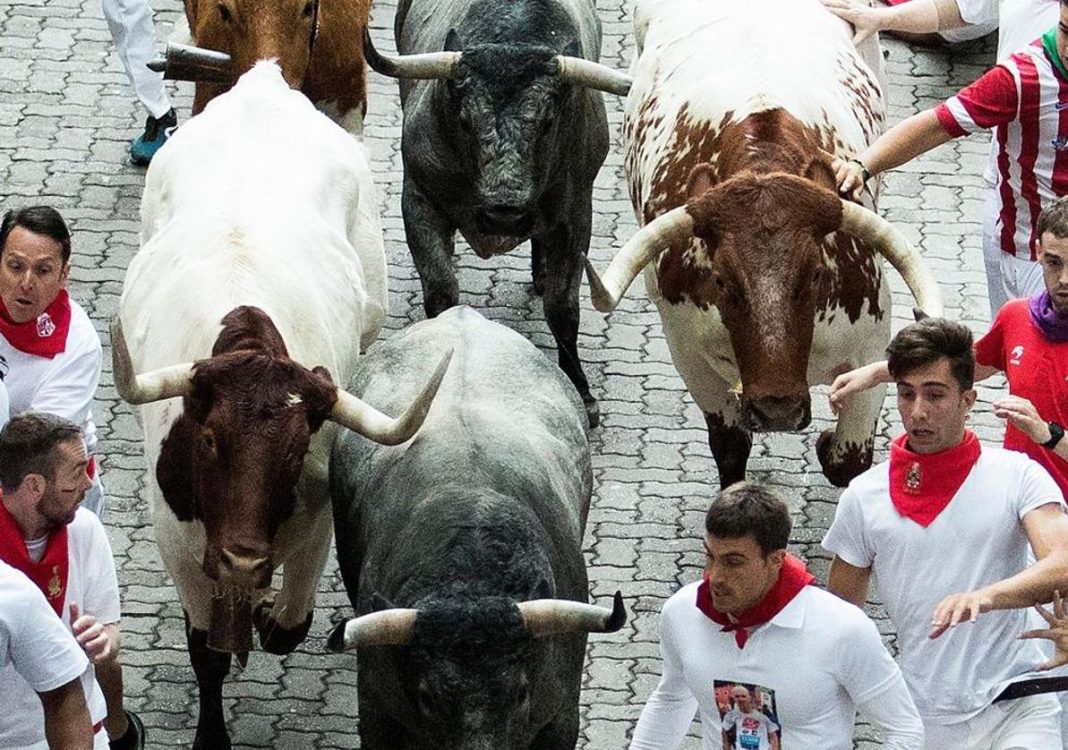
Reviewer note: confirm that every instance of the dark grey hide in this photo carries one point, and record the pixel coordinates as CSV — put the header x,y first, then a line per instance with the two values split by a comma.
x,y
485,507
504,152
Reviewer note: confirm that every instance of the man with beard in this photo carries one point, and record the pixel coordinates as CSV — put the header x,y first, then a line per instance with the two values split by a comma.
x,y
63,549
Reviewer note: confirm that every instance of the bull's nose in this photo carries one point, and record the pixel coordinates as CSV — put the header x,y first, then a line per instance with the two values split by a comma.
x,y
503,218
778,413
244,570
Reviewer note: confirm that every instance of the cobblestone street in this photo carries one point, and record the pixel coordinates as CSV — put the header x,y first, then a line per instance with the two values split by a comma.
x,y
67,115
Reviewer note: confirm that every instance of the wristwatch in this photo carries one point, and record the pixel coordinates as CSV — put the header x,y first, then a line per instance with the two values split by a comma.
x,y
1056,432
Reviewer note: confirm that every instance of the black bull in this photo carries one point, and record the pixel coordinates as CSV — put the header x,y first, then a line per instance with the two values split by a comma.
x,y
502,140
461,550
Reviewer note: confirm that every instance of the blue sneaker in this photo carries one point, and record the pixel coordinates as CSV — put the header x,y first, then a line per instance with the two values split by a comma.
x,y
157,131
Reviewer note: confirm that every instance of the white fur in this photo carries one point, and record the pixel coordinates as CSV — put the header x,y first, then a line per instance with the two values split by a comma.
x,y
715,57
260,200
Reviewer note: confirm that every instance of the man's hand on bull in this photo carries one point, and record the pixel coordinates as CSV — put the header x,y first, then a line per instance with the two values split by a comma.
x,y
850,174
95,638
865,20
855,381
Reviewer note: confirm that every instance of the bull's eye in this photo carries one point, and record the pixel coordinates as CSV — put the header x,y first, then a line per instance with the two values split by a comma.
x,y
224,13
309,9
521,698
425,699
208,444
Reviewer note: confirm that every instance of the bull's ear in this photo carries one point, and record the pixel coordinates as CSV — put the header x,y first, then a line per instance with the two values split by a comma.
x,y
573,49
323,373
174,468
453,42
702,179
198,403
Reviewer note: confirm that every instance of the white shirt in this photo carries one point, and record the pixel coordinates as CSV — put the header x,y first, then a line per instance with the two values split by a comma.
x,y
93,586
752,730
4,409
819,657
977,540
33,641
1019,21
64,385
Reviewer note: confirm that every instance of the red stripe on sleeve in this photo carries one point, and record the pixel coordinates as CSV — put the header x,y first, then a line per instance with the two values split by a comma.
x,y
1030,134
991,99
949,122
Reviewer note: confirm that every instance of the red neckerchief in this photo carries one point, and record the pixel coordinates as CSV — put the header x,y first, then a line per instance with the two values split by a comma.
x,y
922,484
792,578
50,574
44,337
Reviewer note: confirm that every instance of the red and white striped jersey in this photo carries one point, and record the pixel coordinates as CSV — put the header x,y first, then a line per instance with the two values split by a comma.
x,y
1025,99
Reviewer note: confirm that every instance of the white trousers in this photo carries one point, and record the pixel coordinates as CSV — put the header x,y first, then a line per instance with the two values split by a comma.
x,y
134,34
1032,723
1007,276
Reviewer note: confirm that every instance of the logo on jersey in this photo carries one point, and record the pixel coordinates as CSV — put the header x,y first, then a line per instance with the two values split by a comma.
x,y
1017,355
45,325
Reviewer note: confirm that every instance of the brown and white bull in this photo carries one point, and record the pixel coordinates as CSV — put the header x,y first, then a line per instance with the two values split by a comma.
x,y
261,256
319,46
762,276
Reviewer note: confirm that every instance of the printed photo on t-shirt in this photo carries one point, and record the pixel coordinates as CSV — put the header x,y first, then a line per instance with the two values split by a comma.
x,y
749,718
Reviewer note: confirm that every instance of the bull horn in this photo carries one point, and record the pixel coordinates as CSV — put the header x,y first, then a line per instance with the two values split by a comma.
x,y
592,75
184,63
390,627
876,231
654,238
166,382
552,616
364,419
423,67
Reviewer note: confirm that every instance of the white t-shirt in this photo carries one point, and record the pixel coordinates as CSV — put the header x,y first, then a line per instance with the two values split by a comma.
x,y
819,656
64,385
1020,22
33,641
978,539
94,587
4,409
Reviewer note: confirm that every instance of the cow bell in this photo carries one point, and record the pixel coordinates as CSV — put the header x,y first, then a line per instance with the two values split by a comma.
x,y
182,62
230,630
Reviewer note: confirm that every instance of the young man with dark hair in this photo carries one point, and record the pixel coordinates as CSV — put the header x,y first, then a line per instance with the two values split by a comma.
x,y
50,352
946,526
1028,341
64,550
755,620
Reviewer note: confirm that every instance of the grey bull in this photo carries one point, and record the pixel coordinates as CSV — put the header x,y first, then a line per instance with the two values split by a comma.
x,y
504,133
461,550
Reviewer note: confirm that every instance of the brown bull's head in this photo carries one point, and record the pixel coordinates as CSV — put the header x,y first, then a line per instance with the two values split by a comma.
x,y
253,414
253,30
761,264
234,457
762,238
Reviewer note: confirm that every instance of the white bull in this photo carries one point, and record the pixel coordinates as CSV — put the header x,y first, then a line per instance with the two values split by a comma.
x,y
261,256
765,281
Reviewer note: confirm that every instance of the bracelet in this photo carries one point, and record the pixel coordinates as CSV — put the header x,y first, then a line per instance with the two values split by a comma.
x,y
865,175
